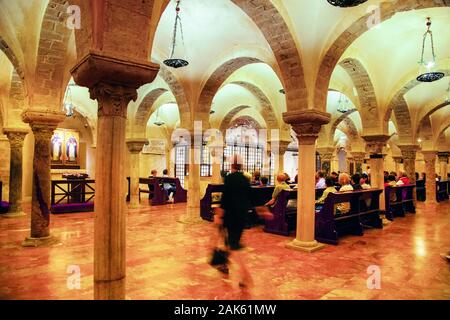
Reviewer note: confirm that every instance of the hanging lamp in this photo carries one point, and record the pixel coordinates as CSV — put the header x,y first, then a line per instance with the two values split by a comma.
x,y
68,106
158,121
172,61
346,3
428,71
342,105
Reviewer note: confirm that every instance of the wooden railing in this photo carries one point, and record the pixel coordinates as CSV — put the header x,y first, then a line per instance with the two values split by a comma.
x,y
72,191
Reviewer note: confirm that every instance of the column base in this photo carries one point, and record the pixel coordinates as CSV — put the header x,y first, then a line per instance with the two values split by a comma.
x,y
14,215
191,217
305,246
39,242
109,290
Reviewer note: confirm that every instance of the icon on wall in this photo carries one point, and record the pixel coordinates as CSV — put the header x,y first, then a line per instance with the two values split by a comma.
x,y
65,147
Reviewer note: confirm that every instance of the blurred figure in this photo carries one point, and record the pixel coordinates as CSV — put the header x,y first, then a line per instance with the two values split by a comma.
x,y
344,181
169,188
364,182
404,178
356,182
232,215
153,173
329,182
256,179
264,181
320,180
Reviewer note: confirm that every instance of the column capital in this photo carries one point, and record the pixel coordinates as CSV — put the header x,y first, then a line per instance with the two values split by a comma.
x,y
376,143
16,136
429,155
409,151
306,124
397,159
282,146
43,122
443,156
135,145
359,156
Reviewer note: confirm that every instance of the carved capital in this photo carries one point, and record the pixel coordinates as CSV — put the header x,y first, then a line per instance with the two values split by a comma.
x,y
443,157
15,137
409,152
43,123
307,124
112,100
359,157
135,145
376,143
279,147
429,156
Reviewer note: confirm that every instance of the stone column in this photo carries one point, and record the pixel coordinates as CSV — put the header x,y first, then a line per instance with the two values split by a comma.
x,y
42,123
409,153
307,125
430,169
194,176
16,138
113,83
443,165
326,156
216,162
358,157
135,147
375,145
279,148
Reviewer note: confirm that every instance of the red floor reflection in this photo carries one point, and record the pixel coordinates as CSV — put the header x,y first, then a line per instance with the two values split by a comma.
x,y
167,260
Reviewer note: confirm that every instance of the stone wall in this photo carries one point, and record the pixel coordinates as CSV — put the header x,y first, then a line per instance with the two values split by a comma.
x,y
4,166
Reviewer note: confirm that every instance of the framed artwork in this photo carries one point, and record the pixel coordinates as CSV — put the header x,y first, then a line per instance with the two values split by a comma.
x,y
65,147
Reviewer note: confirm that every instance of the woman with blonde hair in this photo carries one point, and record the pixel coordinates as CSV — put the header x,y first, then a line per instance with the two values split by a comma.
x,y
345,182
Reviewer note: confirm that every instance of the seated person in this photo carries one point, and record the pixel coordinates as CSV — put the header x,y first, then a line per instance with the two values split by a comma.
x,y
364,182
263,182
281,185
153,174
356,182
256,179
329,182
320,180
404,178
391,183
169,188
344,181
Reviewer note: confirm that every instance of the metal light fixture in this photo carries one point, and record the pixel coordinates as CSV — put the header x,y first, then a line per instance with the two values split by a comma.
x,y
282,91
68,106
346,3
158,121
447,97
343,104
212,112
176,62
428,71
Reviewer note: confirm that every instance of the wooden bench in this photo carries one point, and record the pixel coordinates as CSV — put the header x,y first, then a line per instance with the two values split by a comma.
x,y
441,191
401,203
330,226
156,193
259,197
285,213
4,206
420,190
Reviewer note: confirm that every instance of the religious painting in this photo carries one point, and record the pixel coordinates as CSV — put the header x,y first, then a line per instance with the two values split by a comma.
x,y
57,146
65,147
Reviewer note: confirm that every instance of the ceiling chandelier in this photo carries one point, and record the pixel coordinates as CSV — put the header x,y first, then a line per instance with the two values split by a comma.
x,y
343,104
346,3
158,121
282,91
428,71
176,62
447,98
68,106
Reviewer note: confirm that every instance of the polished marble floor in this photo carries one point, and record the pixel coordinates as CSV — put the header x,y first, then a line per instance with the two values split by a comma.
x,y
166,259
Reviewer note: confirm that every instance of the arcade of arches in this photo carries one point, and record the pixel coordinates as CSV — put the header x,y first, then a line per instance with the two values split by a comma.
x,y
293,86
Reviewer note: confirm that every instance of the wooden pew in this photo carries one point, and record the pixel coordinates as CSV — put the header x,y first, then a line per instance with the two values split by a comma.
x,y
403,202
441,191
156,192
329,227
4,206
285,213
420,190
259,197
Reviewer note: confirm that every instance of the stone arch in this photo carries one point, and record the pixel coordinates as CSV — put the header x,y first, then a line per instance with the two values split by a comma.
x,y
218,77
226,121
12,58
399,106
338,122
247,119
266,107
366,91
17,92
272,25
176,88
144,110
444,126
352,130
52,53
338,47
430,112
